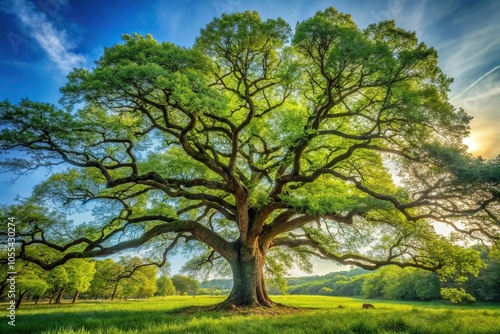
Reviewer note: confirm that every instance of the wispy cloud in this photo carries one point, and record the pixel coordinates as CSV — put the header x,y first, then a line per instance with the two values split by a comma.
x,y
471,44
472,51
476,82
53,41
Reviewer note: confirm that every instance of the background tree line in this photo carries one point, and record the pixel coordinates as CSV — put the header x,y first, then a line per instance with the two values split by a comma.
x,y
129,277
403,284
132,277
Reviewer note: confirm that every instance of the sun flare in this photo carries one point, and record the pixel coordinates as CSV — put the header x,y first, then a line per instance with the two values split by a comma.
x,y
471,144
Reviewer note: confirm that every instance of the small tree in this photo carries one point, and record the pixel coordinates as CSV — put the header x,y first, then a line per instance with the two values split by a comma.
x,y
20,267
104,283
57,279
141,284
184,284
165,286
30,284
74,275
129,277
80,273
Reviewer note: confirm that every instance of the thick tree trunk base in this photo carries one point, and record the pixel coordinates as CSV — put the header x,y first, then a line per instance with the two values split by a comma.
x,y
249,289
75,297
20,299
59,297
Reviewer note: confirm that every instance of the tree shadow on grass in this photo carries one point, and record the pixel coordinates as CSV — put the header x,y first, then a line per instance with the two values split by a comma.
x,y
194,319
91,321
171,322
202,319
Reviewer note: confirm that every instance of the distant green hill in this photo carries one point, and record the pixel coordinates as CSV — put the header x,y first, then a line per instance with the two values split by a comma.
x,y
298,285
324,284
291,281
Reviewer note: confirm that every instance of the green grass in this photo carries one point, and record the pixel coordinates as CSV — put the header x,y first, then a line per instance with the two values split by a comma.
x,y
319,314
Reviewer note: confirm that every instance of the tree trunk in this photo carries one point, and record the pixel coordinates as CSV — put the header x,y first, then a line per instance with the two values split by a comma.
x,y
114,291
59,296
75,298
3,286
20,299
51,297
249,288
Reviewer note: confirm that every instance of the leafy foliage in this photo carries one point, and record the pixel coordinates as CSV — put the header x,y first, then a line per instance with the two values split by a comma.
x,y
130,277
256,138
165,286
185,284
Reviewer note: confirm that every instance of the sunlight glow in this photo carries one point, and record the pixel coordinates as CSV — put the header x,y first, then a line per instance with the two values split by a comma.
x,y
471,144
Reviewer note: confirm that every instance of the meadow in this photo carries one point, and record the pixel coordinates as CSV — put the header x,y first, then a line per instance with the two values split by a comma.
x,y
314,314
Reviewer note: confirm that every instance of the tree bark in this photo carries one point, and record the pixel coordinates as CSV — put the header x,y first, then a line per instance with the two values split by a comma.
x,y
75,298
3,286
59,296
114,290
20,299
249,288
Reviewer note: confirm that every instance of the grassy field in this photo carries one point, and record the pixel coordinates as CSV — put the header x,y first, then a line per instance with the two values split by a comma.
x,y
318,314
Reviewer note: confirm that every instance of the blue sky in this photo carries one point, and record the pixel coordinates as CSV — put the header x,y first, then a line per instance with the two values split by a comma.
x,y
42,40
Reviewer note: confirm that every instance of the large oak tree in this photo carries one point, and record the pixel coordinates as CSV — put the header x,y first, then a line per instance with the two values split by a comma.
x,y
256,139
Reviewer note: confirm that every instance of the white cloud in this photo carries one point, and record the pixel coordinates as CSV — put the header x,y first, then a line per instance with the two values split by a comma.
x,y
471,45
54,42
412,16
476,82
473,50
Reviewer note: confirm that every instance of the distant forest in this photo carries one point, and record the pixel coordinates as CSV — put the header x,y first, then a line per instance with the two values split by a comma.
x,y
391,283
132,278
